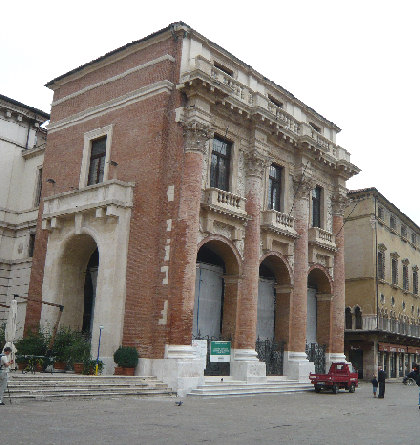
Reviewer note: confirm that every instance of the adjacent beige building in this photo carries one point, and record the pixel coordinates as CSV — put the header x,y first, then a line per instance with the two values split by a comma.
x,y
382,257
22,145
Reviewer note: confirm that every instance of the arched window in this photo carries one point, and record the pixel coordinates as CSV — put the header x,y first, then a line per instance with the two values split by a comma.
x,y
349,318
358,316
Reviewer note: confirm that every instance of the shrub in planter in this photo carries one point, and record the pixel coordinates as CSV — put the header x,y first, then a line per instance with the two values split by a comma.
x,y
126,357
34,343
78,351
89,366
60,349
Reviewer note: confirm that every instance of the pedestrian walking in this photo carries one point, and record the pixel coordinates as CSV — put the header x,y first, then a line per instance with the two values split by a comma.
x,y
374,382
5,363
415,375
381,382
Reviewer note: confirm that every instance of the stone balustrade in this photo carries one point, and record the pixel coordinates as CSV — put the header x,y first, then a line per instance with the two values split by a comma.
x,y
284,118
278,222
321,237
225,202
104,198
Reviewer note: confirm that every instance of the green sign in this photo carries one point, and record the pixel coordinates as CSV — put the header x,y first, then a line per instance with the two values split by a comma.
x,y
220,351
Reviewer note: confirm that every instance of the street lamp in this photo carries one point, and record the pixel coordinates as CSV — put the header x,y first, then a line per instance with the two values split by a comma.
x,y
99,347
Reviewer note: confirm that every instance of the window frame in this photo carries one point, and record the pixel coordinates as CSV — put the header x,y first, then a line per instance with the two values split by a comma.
x,y
279,182
89,137
38,187
94,179
313,199
394,271
220,156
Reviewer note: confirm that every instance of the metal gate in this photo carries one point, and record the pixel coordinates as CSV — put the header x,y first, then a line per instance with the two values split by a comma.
x,y
316,354
271,352
214,368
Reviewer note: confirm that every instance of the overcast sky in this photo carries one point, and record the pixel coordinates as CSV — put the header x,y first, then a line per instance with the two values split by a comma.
x,y
355,62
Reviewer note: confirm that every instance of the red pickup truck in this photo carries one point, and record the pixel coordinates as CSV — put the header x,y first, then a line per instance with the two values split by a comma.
x,y
340,375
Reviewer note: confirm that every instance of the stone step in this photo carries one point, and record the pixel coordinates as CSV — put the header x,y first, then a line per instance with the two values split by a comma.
x,y
244,389
81,390
86,385
70,376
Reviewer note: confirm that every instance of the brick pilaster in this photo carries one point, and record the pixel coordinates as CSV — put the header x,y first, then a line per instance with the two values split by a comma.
x,y
182,273
338,307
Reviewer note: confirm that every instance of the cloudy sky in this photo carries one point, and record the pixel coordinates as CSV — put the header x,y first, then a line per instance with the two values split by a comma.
x,y
355,62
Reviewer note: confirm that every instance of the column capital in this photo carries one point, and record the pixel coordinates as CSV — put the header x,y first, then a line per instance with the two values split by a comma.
x,y
256,163
339,203
303,184
232,279
196,134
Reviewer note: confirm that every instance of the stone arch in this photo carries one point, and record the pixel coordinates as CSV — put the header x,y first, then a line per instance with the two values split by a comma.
x,y
319,306
224,248
280,266
219,268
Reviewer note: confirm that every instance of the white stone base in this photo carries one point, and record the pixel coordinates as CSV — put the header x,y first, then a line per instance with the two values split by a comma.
x,y
245,366
109,365
296,366
180,370
333,357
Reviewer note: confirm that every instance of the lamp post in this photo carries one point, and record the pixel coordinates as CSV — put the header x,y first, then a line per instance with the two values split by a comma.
x,y
99,347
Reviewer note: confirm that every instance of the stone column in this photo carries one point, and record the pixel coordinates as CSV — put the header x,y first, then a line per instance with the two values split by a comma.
x,y
245,364
339,203
230,306
181,370
296,365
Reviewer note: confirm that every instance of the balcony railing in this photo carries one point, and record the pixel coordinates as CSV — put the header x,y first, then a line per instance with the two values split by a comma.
x,y
321,237
278,221
398,327
225,202
284,118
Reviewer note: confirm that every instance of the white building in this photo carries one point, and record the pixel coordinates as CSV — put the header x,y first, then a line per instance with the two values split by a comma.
x,y
22,144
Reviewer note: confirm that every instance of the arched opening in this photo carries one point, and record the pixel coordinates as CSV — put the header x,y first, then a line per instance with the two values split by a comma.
x,y
349,319
78,280
318,320
266,312
209,294
215,290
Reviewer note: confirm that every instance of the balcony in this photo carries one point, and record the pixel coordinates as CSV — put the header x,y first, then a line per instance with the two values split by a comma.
x,y
278,222
226,203
321,238
104,200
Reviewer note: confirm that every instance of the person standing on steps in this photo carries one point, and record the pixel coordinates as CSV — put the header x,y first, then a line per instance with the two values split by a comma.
x,y
5,363
381,381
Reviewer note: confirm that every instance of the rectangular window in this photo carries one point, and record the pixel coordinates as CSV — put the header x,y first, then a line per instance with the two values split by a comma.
x,y
274,188
316,206
97,161
274,101
381,266
394,268
404,231
223,68
413,238
220,164
415,282
392,222
405,277
380,213
31,245
38,188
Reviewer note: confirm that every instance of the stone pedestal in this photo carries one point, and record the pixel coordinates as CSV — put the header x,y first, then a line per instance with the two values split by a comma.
x,y
245,366
180,370
296,366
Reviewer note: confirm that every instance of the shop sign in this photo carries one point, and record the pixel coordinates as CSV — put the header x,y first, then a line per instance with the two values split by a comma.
x,y
220,351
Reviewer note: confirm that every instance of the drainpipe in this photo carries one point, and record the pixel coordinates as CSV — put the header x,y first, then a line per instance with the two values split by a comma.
x,y
376,263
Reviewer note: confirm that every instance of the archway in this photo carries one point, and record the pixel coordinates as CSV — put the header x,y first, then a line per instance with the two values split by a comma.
x,y
318,316
78,278
217,280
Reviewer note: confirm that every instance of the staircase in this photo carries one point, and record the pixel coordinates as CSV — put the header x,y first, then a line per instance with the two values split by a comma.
x,y
235,388
42,386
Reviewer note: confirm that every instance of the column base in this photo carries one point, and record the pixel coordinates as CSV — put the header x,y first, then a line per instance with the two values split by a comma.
x,y
180,370
296,366
332,357
245,366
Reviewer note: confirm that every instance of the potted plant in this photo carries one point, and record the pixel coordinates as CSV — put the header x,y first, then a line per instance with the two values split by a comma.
x,y
60,348
126,358
89,366
78,351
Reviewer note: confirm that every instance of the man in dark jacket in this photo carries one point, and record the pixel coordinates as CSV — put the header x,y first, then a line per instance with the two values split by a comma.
x,y
381,381
415,375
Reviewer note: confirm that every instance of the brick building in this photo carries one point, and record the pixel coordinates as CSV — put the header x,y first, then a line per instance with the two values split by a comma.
x,y
22,146
191,195
382,295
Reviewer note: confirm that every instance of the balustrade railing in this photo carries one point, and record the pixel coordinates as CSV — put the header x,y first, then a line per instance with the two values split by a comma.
x,y
398,327
239,90
285,118
224,199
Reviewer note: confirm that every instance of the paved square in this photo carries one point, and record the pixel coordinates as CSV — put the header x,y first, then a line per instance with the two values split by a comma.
x,y
303,418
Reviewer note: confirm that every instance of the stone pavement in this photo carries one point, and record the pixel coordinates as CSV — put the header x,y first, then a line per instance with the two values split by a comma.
x,y
301,418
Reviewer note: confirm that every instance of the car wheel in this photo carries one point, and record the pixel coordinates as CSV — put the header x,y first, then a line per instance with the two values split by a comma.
x,y
317,388
335,389
352,387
